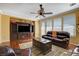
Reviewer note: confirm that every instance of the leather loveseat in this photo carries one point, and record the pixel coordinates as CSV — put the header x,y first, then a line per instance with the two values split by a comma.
x,y
62,38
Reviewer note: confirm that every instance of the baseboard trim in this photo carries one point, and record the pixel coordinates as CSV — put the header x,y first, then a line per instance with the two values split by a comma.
x,y
7,43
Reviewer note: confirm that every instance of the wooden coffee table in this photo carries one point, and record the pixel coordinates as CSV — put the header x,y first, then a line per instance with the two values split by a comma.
x,y
43,45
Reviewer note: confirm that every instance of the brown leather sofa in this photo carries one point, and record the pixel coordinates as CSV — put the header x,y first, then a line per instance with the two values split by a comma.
x,y
62,38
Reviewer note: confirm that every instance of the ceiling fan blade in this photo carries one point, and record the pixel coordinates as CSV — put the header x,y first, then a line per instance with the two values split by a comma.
x,y
40,6
48,13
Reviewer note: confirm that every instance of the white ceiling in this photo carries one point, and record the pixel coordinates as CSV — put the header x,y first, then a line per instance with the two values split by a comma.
x,y
23,9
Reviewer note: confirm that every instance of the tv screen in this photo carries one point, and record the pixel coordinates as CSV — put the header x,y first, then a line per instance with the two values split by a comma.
x,y
23,28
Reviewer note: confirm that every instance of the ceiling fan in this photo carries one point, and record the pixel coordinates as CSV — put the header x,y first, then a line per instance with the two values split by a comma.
x,y
41,12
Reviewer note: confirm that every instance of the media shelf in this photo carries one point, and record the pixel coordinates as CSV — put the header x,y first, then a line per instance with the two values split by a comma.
x,y
20,32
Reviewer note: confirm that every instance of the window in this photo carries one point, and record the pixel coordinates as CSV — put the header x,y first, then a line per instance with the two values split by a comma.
x,y
57,24
69,24
48,25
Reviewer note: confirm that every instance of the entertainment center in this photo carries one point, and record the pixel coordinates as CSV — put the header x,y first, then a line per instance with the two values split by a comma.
x,y
21,32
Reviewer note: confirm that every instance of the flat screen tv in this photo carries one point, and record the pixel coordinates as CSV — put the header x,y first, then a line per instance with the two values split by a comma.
x,y
23,28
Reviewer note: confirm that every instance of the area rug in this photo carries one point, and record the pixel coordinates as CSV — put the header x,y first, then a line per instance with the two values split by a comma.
x,y
56,51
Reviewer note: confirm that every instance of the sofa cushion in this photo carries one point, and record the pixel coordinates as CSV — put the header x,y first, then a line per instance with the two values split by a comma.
x,y
63,33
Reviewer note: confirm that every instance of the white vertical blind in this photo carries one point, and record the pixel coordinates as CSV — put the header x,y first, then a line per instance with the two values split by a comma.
x,y
69,24
48,25
57,24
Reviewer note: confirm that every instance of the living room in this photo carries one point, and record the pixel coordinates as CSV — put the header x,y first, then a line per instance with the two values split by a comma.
x,y
46,31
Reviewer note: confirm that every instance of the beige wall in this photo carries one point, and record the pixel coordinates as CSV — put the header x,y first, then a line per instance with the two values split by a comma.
x,y
74,40
37,29
5,28
0,28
